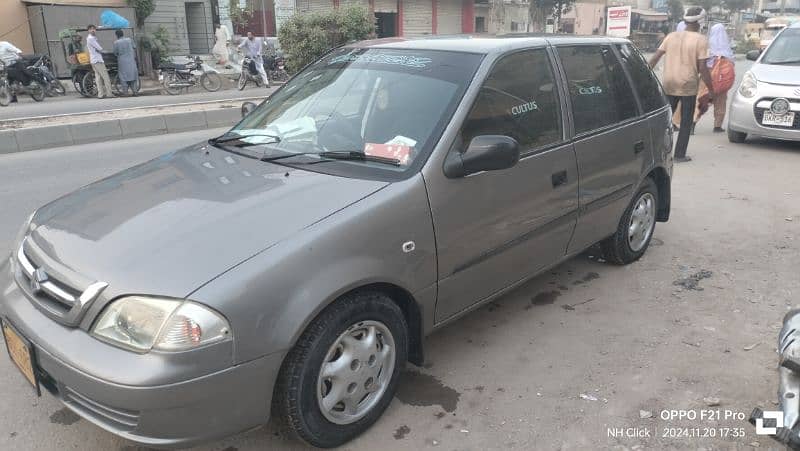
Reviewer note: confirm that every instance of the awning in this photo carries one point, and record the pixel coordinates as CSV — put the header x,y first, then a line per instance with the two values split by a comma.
x,y
648,15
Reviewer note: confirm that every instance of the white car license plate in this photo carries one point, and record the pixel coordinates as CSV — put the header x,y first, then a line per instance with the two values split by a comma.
x,y
783,120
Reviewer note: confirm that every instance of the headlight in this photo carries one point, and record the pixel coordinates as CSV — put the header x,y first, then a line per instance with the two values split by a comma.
x,y
142,323
748,86
26,227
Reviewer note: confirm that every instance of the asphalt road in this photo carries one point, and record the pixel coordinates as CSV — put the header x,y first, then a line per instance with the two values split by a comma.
x,y
72,104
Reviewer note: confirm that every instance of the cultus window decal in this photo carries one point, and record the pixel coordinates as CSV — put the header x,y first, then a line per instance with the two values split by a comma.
x,y
524,108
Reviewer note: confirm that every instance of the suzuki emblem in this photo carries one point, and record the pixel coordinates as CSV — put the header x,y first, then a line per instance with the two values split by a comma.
x,y
797,92
38,277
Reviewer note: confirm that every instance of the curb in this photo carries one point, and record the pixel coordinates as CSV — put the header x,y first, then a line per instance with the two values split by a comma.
x,y
34,138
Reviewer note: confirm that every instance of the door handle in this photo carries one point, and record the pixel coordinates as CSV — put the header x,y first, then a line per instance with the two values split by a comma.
x,y
559,178
638,147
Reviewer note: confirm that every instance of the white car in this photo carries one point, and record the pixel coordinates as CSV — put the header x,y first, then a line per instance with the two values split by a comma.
x,y
767,102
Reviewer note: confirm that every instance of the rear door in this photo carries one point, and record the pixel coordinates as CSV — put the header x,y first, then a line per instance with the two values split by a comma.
x,y
496,228
611,139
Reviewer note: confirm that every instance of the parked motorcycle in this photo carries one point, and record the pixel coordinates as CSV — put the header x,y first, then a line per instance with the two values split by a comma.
x,y
11,88
178,77
276,68
42,71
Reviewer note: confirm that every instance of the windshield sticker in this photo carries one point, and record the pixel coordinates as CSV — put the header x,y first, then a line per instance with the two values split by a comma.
x,y
524,108
396,151
383,58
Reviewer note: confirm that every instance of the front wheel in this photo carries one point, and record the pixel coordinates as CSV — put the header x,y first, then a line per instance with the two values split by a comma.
x,y
55,88
5,93
242,80
89,85
210,81
736,137
636,227
342,373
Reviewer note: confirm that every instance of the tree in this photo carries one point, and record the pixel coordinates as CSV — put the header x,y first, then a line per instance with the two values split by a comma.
x,y
737,5
306,37
675,10
540,10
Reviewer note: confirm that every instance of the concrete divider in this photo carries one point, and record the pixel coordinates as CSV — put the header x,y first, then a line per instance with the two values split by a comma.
x,y
33,138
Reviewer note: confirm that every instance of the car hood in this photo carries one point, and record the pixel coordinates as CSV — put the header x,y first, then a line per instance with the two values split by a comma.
x,y
777,74
169,225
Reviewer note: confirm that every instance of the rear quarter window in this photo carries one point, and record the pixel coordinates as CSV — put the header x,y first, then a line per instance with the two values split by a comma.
x,y
599,90
644,81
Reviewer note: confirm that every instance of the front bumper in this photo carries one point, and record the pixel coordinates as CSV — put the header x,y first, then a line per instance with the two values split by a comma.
x,y
742,113
180,413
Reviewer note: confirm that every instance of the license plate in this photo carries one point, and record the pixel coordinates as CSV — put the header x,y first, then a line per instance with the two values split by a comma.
x,y
783,120
160,77
21,352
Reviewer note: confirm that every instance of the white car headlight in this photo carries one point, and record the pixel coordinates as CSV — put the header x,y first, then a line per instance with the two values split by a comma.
x,y
142,323
749,85
23,231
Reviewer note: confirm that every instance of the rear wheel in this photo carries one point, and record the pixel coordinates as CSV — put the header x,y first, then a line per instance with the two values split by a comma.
x,y
170,82
342,373
89,85
736,137
210,81
36,91
636,227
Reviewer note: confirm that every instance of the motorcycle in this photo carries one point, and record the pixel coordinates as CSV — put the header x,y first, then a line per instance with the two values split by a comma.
x,y
249,73
11,88
276,68
177,77
42,72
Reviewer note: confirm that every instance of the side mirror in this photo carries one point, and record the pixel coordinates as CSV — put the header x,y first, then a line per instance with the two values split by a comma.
x,y
485,153
247,107
752,55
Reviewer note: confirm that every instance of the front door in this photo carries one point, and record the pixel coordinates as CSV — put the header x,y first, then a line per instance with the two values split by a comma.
x,y
612,143
496,228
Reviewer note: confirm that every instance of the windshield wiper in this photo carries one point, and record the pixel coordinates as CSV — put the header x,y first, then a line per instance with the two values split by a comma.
x,y
339,155
228,137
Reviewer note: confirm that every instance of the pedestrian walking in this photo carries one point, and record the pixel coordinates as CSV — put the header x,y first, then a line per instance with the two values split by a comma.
x,y
220,49
127,71
686,56
253,47
721,64
101,78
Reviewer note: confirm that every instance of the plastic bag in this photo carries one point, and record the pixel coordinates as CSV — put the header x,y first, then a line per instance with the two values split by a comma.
x,y
110,19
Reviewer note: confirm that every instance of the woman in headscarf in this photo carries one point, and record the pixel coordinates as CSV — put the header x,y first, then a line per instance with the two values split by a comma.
x,y
720,62
127,71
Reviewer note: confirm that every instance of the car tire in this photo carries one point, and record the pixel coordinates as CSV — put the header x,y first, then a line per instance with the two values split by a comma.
x,y
314,369
636,227
736,137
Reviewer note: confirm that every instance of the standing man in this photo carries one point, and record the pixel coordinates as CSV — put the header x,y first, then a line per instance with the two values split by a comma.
x,y
15,70
686,54
101,78
128,73
253,46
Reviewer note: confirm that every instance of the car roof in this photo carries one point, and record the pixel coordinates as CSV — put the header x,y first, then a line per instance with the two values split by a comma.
x,y
483,43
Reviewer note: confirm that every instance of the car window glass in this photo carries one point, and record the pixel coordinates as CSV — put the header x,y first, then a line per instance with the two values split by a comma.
x,y
598,88
518,99
645,82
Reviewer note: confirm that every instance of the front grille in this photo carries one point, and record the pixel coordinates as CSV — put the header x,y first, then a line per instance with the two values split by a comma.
x,y
120,419
61,301
758,112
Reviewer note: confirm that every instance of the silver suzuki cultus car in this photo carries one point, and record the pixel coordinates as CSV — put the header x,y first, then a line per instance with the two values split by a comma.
x,y
292,266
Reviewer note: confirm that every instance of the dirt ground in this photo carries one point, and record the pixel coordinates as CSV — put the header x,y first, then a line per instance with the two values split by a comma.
x,y
588,349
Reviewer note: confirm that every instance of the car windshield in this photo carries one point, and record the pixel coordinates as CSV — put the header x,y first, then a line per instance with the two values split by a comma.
x,y
385,103
785,49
